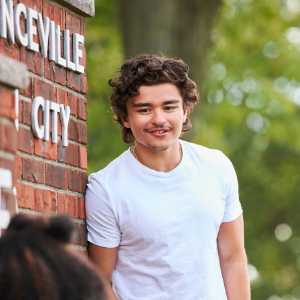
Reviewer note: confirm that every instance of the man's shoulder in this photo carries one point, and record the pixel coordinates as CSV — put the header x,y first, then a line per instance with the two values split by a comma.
x,y
204,153
112,169
211,159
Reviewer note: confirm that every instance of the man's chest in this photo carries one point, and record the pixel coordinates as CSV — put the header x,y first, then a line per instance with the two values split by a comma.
x,y
163,210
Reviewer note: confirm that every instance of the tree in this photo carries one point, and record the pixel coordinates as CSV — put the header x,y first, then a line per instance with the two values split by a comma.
x,y
176,28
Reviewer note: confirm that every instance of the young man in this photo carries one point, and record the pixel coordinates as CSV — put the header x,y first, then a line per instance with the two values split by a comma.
x,y
164,219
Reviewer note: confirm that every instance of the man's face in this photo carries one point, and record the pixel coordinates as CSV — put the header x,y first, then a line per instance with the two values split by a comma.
x,y
156,116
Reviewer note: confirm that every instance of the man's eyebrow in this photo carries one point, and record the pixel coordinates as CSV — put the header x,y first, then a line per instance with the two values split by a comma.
x,y
150,104
142,104
170,102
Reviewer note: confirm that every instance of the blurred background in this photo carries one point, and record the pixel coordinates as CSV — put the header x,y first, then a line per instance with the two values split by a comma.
x,y
244,56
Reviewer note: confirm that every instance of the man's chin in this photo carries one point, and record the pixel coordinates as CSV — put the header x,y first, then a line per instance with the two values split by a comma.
x,y
158,147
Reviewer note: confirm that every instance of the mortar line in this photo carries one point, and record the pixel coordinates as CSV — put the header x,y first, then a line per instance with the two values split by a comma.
x,y
47,160
59,137
44,79
51,189
7,155
6,120
40,213
75,118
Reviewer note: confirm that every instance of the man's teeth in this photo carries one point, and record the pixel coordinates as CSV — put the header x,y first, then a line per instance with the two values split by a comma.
x,y
161,131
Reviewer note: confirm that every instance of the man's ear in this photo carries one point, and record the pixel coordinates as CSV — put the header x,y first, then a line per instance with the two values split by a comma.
x,y
125,122
184,115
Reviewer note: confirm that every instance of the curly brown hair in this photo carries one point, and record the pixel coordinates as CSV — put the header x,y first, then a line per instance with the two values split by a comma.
x,y
149,70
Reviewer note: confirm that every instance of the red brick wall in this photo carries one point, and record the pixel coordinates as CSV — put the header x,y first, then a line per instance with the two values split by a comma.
x,y
49,178
8,145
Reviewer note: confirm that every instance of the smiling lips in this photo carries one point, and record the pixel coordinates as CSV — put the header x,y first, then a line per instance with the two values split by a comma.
x,y
159,131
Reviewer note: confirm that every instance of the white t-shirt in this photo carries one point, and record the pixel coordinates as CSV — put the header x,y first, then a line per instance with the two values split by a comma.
x,y
165,224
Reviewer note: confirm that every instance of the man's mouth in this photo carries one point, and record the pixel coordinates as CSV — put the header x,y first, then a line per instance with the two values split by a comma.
x,y
159,131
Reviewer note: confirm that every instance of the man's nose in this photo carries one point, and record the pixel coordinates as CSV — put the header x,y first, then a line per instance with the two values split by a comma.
x,y
158,117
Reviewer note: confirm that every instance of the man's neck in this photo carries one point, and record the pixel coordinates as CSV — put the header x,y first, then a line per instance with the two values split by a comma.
x,y
161,161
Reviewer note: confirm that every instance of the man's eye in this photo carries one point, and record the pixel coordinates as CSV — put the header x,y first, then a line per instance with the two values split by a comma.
x,y
144,110
169,107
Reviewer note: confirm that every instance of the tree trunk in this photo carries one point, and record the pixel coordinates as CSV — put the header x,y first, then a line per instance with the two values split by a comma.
x,y
176,28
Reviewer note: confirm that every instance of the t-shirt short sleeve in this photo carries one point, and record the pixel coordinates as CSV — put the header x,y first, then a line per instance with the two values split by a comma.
x,y
233,208
102,227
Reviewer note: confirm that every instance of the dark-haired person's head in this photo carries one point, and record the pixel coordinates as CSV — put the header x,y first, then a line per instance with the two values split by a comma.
x,y
35,263
149,70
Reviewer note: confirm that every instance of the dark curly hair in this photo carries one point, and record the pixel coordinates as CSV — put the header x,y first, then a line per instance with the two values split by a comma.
x,y
36,265
149,70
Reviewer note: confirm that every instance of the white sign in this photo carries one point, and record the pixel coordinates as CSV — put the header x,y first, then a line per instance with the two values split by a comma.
x,y
5,182
48,107
48,33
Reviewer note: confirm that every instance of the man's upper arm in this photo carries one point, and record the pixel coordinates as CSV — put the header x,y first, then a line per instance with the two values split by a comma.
x,y
233,207
104,259
102,226
231,241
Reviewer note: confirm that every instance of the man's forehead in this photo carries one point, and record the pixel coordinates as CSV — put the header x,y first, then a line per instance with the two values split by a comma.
x,y
162,87
157,94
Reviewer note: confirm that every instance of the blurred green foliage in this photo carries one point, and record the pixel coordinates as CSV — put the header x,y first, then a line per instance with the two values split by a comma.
x,y
250,109
104,56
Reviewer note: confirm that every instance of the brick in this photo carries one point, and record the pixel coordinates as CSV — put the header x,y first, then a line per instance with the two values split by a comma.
x,y
80,235
82,29
49,202
49,69
82,157
61,203
26,113
28,92
82,108
54,72
69,154
55,14
9,165
67,205
33,170
44,89
12,51
67,99
56,176
74,24
73,202
7,104
81,208
61,96
36,5
11,141
25,196
33,61
18,166
72,102
2,136
44,201
45,149
77,131
77,82
25,140
38,200
83,60
20,116
77,181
